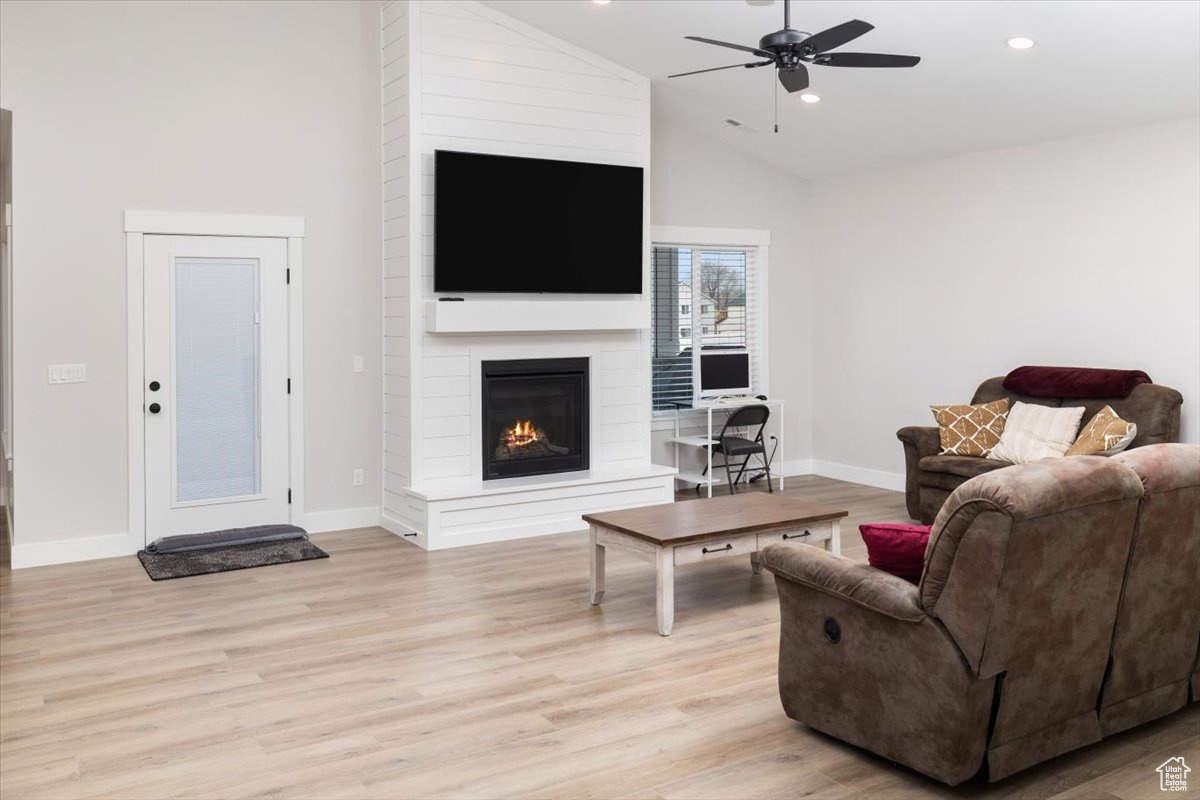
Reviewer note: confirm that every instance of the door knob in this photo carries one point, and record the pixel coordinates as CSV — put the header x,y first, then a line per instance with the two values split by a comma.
x,y
155,408
155,386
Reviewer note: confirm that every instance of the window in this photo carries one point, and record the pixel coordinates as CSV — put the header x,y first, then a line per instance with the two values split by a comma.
x,y
715,291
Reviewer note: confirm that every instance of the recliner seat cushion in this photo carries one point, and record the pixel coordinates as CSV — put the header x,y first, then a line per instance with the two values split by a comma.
x,y
950,472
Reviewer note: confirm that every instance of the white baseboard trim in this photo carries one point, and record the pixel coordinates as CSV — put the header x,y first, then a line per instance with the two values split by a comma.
x,y
341,519
64,551
868,477
8,518
798,467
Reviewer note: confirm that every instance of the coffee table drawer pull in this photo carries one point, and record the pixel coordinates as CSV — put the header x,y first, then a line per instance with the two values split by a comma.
x,y
729,547
788,536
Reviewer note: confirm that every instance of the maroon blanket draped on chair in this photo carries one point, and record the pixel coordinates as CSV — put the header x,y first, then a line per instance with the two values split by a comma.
x,y
1074,382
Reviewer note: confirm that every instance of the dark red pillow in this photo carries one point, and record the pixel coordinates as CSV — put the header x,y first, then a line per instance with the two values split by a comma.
x,y
898,549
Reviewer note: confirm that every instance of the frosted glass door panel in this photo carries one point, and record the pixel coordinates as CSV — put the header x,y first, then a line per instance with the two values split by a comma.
x,y
216,356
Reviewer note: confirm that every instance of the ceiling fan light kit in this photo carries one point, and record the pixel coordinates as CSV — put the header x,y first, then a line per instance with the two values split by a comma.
x,y
791,51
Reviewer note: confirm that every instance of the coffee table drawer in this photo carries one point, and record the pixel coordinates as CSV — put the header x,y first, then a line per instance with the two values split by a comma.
x,y
817,533
714,548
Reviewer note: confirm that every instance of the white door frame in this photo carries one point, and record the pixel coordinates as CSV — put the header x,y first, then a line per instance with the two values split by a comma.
x,y
138,224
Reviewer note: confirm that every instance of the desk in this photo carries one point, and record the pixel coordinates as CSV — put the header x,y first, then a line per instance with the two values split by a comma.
x,y
706,407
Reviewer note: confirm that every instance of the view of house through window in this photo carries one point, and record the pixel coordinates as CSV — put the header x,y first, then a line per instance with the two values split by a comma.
x,y
697,289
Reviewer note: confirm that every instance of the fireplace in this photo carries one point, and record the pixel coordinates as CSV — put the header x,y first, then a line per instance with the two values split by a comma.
x,y
535,417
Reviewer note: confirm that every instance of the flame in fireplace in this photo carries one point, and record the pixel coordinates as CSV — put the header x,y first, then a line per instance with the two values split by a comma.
x,y
522,433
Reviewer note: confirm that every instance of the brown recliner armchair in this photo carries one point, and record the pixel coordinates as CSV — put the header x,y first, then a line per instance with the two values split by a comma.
x,y
999,654
931,477
1154,647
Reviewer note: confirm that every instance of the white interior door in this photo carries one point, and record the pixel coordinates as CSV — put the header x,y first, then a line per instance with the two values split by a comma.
x,y
216,383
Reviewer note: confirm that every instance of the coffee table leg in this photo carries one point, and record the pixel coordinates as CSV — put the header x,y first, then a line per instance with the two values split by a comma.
x,y
834,543
665,594
597,567
755,564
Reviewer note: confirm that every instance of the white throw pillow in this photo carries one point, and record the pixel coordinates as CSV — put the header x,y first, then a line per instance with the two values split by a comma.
x,y
1032,432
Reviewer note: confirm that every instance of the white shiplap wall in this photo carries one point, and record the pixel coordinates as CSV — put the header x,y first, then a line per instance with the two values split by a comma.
x,y
397,256
479,81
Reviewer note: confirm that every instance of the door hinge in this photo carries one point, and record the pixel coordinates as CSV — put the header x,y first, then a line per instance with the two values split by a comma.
x,y
289,497
289,385
288,274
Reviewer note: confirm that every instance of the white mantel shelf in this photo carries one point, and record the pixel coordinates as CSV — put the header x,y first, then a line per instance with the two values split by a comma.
x,y
541,315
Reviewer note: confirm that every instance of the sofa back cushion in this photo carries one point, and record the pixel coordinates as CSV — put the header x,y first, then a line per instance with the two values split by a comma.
x,y
1024,568
1158,622
1150,406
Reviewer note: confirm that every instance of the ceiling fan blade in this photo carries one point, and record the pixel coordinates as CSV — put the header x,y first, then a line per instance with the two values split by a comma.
x,y
794,80
755,50
751,65
836,36
866,60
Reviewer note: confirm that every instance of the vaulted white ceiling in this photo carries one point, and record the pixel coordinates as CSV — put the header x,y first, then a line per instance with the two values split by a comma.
x,y
1097,65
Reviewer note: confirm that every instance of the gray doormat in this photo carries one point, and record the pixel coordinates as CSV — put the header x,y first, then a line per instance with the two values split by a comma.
x,y
164,566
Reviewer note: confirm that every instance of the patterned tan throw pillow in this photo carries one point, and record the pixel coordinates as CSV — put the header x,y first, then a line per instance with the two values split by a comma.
x,y
971,430
1105,433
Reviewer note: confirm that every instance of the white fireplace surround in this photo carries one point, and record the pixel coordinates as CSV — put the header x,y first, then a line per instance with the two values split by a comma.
x,y
459,511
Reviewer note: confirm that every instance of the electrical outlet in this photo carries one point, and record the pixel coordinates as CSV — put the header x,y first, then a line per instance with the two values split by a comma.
x,y
358,477
358,363
67,373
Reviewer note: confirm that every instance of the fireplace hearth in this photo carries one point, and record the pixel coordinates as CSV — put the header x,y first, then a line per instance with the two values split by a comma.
x,y
535,417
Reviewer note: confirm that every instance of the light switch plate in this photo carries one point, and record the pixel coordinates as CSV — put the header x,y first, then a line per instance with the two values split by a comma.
x,y
67,373
358,363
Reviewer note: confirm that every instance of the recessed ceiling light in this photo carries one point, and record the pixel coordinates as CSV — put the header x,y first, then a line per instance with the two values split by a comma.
x,y
1020,43
811,98
601,2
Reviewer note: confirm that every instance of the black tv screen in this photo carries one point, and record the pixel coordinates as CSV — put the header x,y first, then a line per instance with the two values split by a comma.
x,y
531,225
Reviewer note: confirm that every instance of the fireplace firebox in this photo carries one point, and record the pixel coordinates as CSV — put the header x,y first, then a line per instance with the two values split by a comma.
x,y
535,417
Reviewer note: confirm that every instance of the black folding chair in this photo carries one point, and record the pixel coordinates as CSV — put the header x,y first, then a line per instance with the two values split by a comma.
x,y
732,446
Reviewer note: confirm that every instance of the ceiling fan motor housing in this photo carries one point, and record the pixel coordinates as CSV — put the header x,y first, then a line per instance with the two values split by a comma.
x,y
787,45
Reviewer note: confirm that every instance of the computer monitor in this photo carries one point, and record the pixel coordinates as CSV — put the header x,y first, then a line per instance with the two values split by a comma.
x,y
724,372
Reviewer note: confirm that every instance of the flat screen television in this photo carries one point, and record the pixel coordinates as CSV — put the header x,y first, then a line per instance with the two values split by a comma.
x,y
531,225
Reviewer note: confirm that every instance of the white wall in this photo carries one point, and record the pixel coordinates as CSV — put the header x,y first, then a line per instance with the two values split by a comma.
x,y
262,108
930,278
696,181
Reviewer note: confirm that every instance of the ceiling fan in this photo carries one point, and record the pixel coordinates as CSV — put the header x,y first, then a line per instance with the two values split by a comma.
x,y
790,51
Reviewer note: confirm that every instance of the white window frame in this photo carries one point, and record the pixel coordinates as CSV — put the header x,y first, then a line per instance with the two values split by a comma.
x,y
756,239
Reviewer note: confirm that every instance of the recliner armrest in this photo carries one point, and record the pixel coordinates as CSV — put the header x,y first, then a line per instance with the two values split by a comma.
x,y
851,581
926,440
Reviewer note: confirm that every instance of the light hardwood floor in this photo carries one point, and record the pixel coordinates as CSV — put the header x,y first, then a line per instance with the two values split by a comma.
x,y
389,672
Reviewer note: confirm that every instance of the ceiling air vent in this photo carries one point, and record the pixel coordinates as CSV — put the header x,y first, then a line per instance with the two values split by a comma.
x,y
737,123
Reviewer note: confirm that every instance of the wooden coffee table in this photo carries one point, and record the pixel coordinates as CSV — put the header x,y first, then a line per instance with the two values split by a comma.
x,y
675,534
